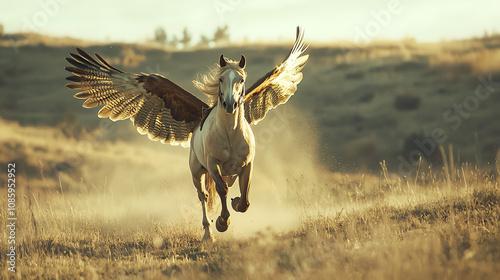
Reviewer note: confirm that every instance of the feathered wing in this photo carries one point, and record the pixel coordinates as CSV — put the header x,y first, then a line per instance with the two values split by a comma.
x,y
278,85
157,106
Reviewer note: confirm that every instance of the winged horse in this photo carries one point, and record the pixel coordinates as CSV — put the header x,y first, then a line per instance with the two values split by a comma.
x,y
221,141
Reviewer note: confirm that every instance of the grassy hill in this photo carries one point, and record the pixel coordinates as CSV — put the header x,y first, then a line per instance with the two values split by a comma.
x,y
369,103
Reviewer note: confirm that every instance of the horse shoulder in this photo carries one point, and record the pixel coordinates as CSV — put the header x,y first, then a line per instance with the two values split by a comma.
x,y
243,145
215,142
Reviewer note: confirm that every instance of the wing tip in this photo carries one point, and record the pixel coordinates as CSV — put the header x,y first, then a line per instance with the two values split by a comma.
x,y
300,32
299,46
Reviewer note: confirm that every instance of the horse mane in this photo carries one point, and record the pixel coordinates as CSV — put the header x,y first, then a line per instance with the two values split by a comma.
x,y
209,83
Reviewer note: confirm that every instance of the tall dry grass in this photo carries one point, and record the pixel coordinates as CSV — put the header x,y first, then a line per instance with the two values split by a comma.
x,y
340,225
382,230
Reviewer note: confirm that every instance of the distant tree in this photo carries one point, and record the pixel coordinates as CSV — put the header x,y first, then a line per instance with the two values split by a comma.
x,y
173,43
204,41
221,35
186,38
160,35
1,30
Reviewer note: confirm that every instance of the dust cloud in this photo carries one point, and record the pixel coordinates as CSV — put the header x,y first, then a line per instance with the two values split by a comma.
x,y
139,183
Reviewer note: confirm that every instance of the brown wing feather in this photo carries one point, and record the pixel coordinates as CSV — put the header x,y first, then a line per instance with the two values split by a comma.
x,y
278,85
184,105
157,106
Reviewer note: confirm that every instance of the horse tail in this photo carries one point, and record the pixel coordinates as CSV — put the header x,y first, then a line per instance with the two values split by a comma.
x,y
210,187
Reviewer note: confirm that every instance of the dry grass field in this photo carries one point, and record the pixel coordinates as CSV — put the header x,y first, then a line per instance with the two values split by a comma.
x,y
95,200
313,226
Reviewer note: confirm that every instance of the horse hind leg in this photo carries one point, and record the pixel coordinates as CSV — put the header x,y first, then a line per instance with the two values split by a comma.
x,y
204,197
197,172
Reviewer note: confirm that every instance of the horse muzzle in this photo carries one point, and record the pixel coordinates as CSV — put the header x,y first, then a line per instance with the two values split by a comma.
x,y
230,107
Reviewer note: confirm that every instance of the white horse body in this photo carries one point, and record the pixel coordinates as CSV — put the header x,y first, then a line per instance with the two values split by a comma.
x,y
223,147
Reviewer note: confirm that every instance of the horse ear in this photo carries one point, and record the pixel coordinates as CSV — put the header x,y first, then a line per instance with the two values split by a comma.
x,y
222,61
243,62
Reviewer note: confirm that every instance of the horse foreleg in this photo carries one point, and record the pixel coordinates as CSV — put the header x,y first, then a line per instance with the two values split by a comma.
x,y
222,222
242,204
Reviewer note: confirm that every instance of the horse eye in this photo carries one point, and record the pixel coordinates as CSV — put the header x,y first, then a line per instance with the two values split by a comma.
x,y
220,80
242,81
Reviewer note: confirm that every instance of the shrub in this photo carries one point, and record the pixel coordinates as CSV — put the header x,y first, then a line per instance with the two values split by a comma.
x,y
407,102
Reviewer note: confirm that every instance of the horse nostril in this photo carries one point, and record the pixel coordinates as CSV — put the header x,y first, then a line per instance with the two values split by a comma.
x,y
235,105
224,104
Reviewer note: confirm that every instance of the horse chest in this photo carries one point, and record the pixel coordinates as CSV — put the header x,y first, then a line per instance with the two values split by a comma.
x,y
234,156
233,146
233,153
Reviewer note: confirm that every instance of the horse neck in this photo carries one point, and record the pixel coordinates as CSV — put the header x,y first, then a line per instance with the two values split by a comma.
x,y
230,122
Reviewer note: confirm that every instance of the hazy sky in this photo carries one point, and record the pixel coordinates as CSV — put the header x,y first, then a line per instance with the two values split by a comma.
x,y
355,20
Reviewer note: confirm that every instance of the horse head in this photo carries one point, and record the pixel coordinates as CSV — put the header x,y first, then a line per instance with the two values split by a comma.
x,y
232,84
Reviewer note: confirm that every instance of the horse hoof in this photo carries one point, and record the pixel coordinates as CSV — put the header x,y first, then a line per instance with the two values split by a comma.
x,y
222,225
235,202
